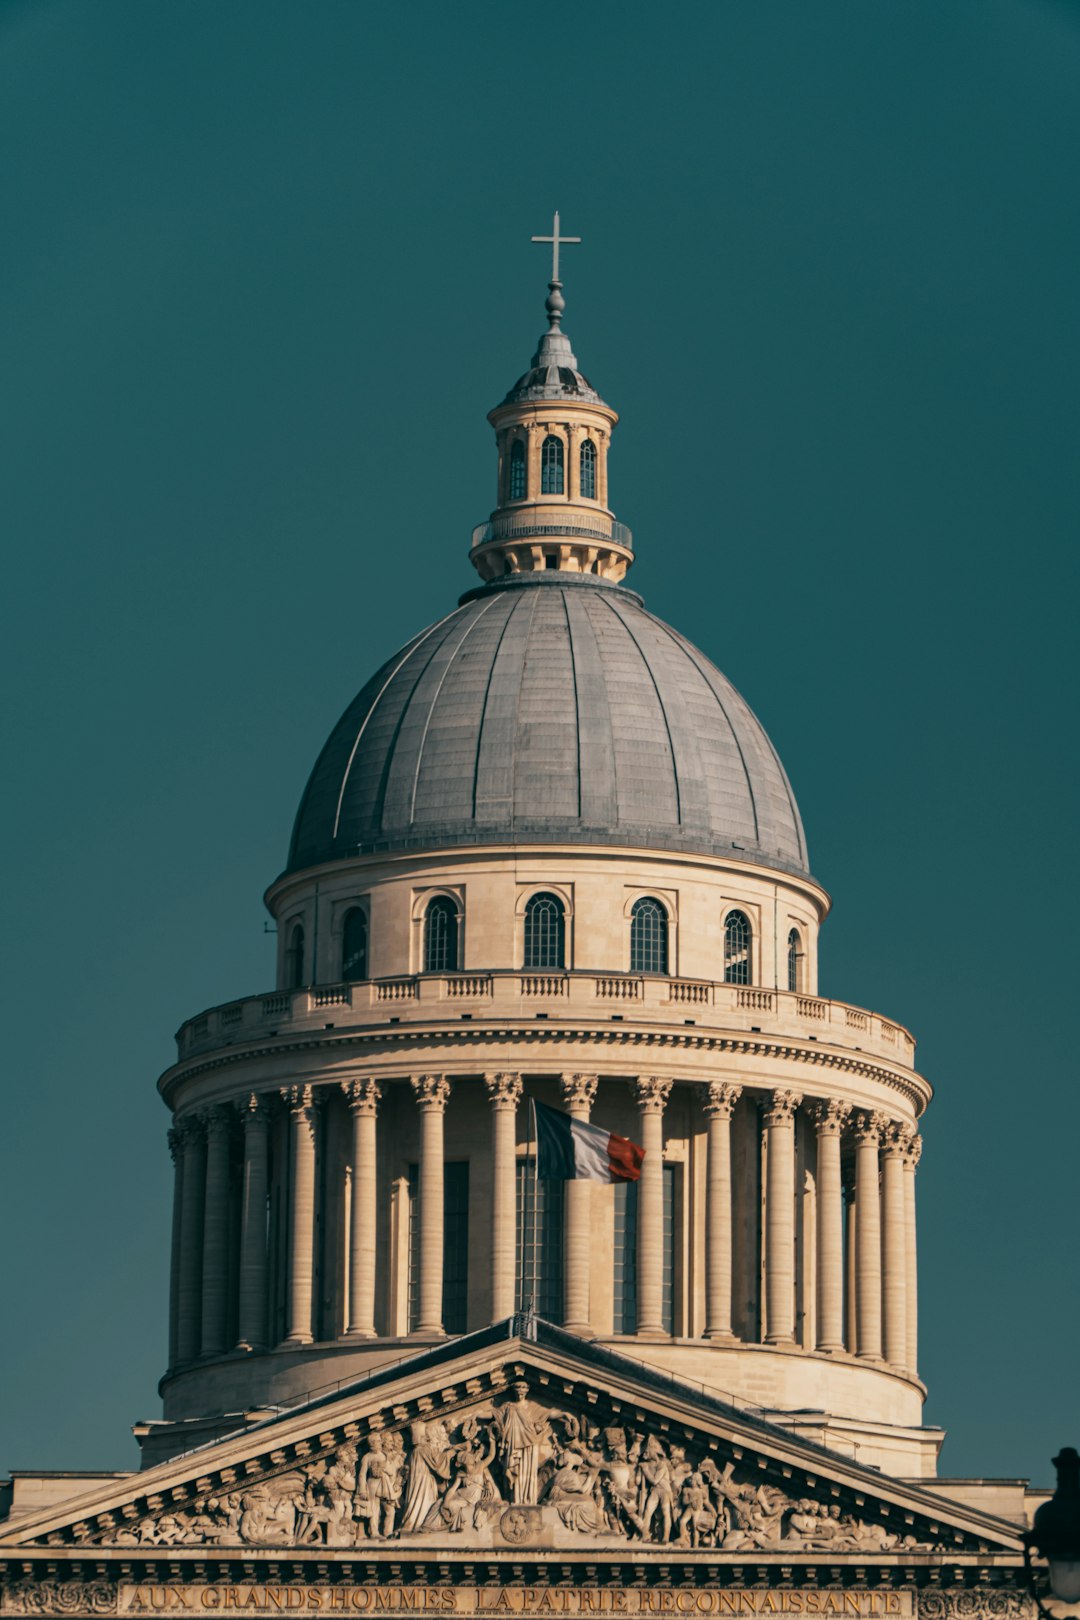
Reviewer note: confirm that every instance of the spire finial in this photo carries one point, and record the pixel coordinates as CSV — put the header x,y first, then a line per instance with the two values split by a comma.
x,y
555,303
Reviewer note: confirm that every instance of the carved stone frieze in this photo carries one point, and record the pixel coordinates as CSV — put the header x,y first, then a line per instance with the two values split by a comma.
x,y
979,1604
510,1470
58,1597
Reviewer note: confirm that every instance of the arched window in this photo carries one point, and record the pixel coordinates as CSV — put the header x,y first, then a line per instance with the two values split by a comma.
x,y
794,960
551,466
517,470
440,936
737,948
294,959
588,470
545,932
648,937
354,945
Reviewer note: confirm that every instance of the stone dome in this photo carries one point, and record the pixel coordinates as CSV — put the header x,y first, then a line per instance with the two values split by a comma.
x,y
549,708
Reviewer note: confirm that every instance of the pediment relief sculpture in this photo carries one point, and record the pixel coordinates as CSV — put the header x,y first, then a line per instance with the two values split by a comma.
x,y
507,1471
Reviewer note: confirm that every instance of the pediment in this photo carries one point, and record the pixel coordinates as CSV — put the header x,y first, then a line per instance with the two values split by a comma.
x,y
536,1443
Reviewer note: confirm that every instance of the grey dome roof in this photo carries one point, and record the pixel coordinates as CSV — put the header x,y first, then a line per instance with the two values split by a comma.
x,y
549,708
553,374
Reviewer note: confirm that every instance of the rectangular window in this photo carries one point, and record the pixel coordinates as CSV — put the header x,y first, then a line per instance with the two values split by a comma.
x,y
539,1243
455,1298
626,1242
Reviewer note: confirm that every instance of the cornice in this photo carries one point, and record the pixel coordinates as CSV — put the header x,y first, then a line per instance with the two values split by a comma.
x,y
623,1037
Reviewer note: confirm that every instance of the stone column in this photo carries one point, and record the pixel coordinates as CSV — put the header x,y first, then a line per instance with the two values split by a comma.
x,y
303,1112
176,1150
255,1113
850,1333
911,1160
894,1243
603,442
574,436
779,1120
868,1128
504,1094
718,1100
215,1266
189,1287
829,1120
578,1095
363,1097
537,432
432,1094
651,1094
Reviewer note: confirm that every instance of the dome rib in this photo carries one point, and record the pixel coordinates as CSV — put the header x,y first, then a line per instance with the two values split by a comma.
x,y
549,708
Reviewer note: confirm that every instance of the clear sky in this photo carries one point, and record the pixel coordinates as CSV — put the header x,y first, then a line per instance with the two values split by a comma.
x,y
265,267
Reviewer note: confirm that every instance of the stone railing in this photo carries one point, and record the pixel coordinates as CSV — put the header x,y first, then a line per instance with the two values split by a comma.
x,y
430,997
538,522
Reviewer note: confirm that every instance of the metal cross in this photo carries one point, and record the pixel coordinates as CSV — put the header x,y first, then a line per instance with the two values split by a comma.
x,y
556,240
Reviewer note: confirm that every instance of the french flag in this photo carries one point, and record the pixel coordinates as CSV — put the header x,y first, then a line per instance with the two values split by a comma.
x,y
570,1150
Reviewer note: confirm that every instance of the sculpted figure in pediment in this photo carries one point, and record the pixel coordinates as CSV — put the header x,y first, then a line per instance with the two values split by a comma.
x,y
525,1445
430,1458
379,1485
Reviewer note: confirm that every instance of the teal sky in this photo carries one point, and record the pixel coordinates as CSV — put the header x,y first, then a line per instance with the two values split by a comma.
x,y
265,267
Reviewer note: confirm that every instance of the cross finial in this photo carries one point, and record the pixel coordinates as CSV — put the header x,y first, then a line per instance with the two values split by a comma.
x,y
555,303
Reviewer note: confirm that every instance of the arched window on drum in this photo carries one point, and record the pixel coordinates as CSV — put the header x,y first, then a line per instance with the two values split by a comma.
x,y
441,936
737,947
795,961
517,470
545,932
551,466
354,945
588,470
648,936
294,958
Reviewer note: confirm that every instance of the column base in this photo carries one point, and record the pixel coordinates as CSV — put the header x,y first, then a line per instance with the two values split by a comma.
x,y
781,1341
297,1341
656,1334
834,1347
719,1335
872,1356
359,1333
584,1330
428,1332
247,1347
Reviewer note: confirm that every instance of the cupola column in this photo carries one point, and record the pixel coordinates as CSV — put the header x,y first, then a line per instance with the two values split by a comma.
x,y
651,1094
779,1121
579,1094
894,1243
176,1149
574,436
432,1094
536,433
504,1094
911,1160
302,1102
868,1128
215,1266
718,1100
189,1288
363,1097
255,1113
829,1120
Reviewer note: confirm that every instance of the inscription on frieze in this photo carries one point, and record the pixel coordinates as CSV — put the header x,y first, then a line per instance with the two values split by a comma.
x,y
466,1601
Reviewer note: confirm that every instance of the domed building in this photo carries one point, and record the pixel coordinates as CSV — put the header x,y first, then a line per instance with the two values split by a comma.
x,y
547,855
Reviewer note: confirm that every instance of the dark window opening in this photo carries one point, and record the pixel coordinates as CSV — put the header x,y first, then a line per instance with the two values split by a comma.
x,y
517,471
648,937
545,932
588,470
294,959
551,466
441,936
794,960
737,948
455,1246
354,945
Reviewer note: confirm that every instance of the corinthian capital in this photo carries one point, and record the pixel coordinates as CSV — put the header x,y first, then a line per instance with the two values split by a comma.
x,y
217,1118
175,1140
718,1098
651,1092
190,1129
579,1091
504,1089
254,1110
780,1107
363,1096
867,1129
896,1139
913,1151
302,1102
432,1092
830,1116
